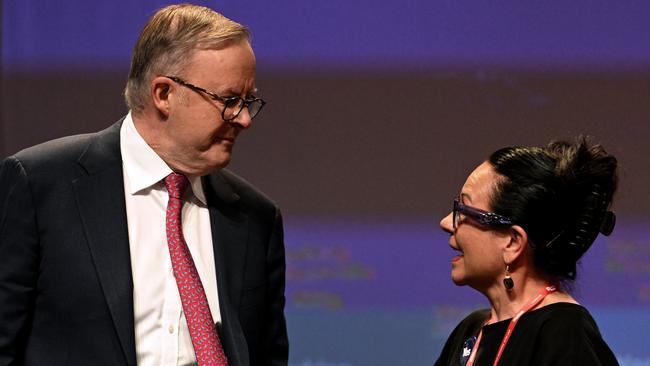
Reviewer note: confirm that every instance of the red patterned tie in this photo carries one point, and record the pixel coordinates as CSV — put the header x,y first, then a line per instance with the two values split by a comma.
x,y
203,331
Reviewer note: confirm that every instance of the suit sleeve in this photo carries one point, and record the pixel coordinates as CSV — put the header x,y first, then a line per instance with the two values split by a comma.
x,y
19,256
276,342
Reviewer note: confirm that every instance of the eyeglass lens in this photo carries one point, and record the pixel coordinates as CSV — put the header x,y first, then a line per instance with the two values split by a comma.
x,y
234,106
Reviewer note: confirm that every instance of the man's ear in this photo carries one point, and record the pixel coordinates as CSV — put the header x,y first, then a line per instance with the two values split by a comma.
x,y
517,245
160,93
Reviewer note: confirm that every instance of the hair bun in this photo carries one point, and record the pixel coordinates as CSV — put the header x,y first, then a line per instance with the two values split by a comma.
x,y
561,195
609,221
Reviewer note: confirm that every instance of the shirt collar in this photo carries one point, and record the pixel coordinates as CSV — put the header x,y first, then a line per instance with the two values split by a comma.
x,y
143,166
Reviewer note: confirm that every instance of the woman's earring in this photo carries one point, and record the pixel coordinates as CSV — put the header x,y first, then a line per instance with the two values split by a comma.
x,y
507,281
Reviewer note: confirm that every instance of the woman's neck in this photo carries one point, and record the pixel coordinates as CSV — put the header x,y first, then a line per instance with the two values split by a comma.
x,y
506,303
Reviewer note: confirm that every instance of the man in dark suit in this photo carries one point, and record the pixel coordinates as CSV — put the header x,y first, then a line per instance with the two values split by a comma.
x,y
90,274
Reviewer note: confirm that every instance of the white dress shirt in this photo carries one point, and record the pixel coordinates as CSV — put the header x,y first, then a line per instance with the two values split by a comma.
x,y
161,333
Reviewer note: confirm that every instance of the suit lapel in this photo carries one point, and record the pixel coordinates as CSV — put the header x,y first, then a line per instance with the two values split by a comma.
x,y
230,238
100,199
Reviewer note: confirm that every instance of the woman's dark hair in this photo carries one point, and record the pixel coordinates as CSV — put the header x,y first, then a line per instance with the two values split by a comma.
x,y
559,194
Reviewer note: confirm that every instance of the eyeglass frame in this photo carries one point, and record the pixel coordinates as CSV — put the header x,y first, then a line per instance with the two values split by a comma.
x,y
480,216
214,96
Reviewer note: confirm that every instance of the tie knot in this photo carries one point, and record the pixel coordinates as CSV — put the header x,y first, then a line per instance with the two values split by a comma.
x,y
176,184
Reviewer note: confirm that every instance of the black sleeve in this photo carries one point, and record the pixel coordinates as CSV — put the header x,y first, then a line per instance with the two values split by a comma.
x,y
19,256
276,341
572,340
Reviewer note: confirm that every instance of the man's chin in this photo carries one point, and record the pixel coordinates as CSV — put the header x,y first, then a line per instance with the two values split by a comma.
x,y
218,163
206,165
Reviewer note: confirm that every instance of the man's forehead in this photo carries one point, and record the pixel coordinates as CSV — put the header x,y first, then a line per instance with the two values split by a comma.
x,y
223,68
235,54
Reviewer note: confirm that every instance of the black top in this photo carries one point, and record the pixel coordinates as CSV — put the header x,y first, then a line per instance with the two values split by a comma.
x,y
558,334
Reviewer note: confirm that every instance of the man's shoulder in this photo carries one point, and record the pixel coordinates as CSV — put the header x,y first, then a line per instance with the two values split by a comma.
x,y
64,150
60,148
246,191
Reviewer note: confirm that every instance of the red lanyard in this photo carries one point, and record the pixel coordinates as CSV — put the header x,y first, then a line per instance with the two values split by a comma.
x,y
513,322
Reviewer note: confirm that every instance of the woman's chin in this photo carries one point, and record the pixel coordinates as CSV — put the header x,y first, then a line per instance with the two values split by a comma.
x,y
458,280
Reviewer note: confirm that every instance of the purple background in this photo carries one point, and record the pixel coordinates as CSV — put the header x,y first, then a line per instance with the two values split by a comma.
x,y
377,112
405,263
351,34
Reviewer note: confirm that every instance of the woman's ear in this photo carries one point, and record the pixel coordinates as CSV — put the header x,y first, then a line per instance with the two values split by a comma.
x,y
517,245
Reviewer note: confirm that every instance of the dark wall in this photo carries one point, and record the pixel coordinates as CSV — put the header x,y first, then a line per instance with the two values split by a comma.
x,y
375,143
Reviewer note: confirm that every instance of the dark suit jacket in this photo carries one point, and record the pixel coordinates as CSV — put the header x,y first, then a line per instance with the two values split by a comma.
x,y
66,292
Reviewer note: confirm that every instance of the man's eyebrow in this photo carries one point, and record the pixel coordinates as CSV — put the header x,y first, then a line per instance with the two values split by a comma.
x,y
231,92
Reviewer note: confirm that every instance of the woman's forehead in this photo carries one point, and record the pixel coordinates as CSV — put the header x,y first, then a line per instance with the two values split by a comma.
x,y
479,185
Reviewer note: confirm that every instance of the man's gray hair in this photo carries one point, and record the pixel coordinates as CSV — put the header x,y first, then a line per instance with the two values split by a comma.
x,y
167,41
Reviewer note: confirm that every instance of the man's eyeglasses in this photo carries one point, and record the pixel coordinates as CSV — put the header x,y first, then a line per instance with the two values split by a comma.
x,y
480,216
232,105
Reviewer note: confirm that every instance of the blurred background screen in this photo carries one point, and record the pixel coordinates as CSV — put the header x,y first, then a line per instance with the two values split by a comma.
x,y
377,112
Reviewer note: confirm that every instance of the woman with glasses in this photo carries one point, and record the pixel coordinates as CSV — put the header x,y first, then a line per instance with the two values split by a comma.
x,y
520,223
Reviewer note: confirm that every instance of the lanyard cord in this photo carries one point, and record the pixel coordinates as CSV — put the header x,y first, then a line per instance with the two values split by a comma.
x,y
513,322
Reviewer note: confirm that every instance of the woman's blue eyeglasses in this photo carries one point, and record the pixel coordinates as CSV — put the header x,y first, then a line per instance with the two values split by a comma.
x,y
478,215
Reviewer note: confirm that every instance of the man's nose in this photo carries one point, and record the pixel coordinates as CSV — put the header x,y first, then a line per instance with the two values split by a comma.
x,y
243,119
